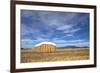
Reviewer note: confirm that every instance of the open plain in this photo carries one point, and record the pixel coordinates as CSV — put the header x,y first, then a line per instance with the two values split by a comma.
x,y
61,54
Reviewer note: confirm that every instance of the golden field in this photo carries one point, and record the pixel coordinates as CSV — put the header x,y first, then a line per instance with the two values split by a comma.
x,y
64,54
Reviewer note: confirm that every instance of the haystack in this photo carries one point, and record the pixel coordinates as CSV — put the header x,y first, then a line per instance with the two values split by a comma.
x,y
45,47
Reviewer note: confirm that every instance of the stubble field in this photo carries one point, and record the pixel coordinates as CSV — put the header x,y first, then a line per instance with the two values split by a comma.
x,y
65,54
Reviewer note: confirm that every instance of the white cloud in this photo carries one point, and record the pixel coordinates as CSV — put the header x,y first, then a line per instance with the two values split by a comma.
x,y
40,39
69,35
59,41
26,30
26,13
68,30
26,40
64,27
76,41
71,30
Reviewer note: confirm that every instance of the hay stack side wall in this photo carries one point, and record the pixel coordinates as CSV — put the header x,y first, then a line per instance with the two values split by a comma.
x,y
45,48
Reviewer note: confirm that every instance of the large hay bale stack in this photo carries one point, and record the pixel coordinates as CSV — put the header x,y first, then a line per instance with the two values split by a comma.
x,y
45,47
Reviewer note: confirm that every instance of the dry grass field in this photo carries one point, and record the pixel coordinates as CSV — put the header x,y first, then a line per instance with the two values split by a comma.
x,y
65,54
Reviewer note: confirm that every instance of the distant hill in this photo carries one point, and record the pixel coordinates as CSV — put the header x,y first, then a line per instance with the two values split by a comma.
x,y
73,47
25,48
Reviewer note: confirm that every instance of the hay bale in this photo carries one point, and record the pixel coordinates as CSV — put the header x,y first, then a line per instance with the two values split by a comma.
x,y
45,47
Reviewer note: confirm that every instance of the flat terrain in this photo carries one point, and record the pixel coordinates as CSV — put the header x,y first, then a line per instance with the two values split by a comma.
x,y
65,54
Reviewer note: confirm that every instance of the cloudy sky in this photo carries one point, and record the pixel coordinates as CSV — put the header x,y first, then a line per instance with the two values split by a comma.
x,y
62,28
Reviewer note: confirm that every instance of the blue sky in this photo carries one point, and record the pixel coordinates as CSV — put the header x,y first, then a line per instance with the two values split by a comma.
x,y
62,28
